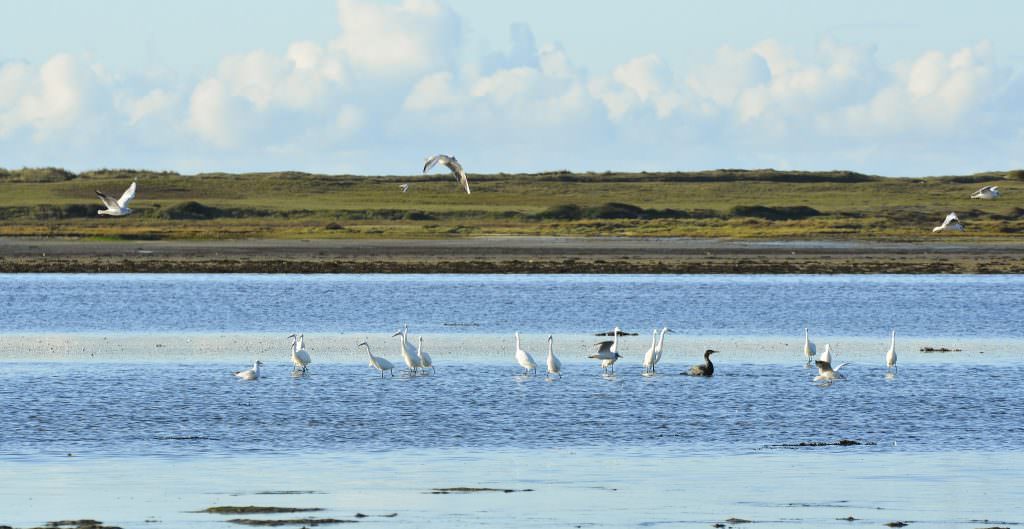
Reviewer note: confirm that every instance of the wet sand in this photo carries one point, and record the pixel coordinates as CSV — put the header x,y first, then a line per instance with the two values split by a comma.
x,y
513,255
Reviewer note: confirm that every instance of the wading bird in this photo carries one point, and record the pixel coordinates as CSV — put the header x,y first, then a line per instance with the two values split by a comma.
x,y
300,358
987,193
424,358
377,362
809,348
452,164
554,364
657,350
952,223
648,362
119,207
411,359
524,359
250,374
890,355
706,369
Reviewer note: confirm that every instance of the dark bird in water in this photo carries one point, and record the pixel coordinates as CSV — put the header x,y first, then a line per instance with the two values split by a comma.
x,y
706,369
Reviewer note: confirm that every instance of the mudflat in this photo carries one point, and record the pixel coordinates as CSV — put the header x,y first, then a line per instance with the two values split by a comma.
x,y
519,254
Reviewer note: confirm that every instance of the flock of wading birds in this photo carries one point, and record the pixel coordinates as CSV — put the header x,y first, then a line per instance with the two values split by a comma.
x,y
119,207
418,361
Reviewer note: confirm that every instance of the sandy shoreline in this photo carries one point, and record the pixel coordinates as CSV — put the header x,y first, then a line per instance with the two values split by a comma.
x,y
511,255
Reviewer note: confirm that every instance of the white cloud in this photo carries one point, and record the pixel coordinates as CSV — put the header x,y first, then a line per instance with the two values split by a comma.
x,y
433,91
46,100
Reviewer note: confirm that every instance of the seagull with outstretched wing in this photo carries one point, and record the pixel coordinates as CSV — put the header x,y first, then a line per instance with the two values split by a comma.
x,y
952,223
452,164
119,207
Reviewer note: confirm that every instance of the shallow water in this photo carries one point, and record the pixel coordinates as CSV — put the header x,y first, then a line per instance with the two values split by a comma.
x,y
142,398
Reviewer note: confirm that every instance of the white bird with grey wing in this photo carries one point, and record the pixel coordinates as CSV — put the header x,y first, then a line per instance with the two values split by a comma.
x,y
119,207
452,164
952,223
827,372
987,193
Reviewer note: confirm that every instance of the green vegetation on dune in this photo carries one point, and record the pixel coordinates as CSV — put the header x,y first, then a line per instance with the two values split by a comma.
x,y
720,203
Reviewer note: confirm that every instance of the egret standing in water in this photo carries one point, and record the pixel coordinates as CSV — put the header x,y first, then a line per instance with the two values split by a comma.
x,y
809,349
376,362
826,355
706,369
608,351
554,364
250,374
411,359
890,355
649,356
524,359
424,358
300,358
827,372
658,348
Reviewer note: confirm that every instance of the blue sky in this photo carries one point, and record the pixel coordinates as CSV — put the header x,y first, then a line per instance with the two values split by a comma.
x,y
897,88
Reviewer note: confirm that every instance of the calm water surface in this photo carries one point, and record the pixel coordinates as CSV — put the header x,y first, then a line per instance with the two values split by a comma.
x,y
943,439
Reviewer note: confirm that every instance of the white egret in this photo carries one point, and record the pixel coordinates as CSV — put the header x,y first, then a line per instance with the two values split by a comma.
x,y
250,374
809,348
554,364
706,369
379,363
300,358
452,164
412,361
952,223
987,193
826,355
524,359
890,355
827,372
119,207
658,349
424,358
648,362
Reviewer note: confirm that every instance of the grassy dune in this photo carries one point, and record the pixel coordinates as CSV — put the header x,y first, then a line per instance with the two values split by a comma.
x,y
723,203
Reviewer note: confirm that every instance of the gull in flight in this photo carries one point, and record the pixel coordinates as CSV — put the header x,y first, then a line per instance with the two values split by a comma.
x,y
827,372
524,359
952,223
404,187
378,363
987,193
706,369
119,207
452,164
608,351
250,374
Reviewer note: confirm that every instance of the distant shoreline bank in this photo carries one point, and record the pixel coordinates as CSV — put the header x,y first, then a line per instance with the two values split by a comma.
x,y
544,255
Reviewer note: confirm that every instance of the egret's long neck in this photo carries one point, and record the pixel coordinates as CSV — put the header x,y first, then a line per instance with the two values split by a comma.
x,y
654,338
517,342
550,351
615,341
661,339
420,347
892,343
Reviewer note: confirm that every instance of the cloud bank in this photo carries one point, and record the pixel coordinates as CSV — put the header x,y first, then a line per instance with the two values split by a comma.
x,y
399,82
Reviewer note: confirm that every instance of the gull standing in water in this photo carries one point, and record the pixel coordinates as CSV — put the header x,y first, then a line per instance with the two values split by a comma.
x,y
648,363
827,372
424,358
952,223
300,357
524,359
554,364
119,207
809,348
890,355
706,369
608,351
250,374
378,363
987,193
452,164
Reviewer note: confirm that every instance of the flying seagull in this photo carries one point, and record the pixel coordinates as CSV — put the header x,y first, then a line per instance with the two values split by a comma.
x,y
952,223
119,207
405,187
452,164
987,193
